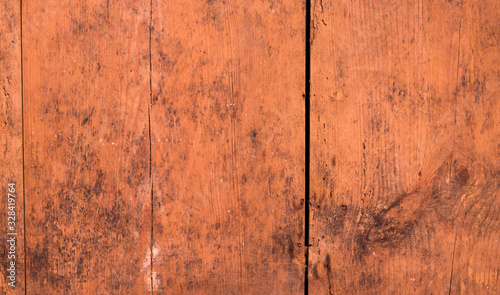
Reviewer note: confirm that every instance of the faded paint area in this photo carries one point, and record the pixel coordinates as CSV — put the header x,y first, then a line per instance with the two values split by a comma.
x,y
228,146
87,162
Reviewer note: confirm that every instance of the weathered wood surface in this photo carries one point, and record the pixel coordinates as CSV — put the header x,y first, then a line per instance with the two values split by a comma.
x,y
228,147
405,147
86,93
164,146
11,140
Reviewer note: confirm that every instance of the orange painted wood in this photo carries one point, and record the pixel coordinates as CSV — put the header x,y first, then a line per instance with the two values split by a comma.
x,y
405,147
227,126
88,200
11,155
163,146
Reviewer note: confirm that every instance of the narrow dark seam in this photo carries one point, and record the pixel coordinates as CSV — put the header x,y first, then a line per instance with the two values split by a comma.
x,y
22,143
452,261
451,163
458,68
150,139
307,98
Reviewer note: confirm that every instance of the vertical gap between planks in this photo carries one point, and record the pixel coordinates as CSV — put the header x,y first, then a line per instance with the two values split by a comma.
x,y
22,142
150,105
307,99
452,261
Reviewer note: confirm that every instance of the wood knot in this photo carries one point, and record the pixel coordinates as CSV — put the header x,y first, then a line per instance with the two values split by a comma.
x,y
463,175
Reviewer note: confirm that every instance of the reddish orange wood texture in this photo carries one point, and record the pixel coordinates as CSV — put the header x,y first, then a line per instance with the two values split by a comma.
x,y
228,147
11,140
161,146
88,200
405,147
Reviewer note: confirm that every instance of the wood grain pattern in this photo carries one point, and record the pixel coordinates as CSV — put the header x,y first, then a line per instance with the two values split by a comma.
x,y
86,93
228,147
405,147
11,140
163,145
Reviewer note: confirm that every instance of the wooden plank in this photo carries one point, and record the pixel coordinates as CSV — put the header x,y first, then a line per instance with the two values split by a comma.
x,y
405,147
11,154
228,147
88,198
477,235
